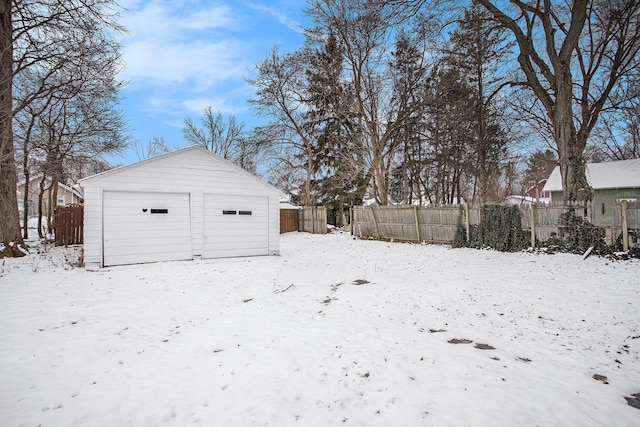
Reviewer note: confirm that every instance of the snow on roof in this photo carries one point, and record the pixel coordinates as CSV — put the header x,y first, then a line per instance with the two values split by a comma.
x,y
618,174
287,205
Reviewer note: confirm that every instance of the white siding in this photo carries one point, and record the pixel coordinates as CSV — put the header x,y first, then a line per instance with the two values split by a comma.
x,y
193,171
274,225
93,227
196,223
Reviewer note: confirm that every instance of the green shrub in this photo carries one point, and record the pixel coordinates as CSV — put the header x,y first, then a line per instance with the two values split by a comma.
x,y
500,228
578,235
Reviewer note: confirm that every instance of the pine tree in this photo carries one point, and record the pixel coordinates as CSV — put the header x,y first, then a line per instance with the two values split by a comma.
x,y
340,175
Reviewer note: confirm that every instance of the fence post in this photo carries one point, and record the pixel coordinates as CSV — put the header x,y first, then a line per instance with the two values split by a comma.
x,y
351,220
375,222
533,225
467,221
415,213
625,226
314,211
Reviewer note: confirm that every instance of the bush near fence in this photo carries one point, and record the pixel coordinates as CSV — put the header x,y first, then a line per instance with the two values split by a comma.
x,y
439,224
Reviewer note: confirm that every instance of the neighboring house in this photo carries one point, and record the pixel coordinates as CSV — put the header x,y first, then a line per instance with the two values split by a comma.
x,y
611,182
66,196
187,204
519,200
537,193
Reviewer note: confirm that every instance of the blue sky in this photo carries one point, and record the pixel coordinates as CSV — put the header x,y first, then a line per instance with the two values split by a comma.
x,y
184,55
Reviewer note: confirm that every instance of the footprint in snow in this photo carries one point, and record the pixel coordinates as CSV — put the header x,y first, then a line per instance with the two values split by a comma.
x,y
459,341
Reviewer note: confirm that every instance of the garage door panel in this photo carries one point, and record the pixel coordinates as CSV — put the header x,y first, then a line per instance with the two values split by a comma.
x,y
155,245
163,234
133,234
235,235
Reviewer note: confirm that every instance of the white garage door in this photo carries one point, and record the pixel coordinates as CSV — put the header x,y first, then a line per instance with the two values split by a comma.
x,y
235,226
145,227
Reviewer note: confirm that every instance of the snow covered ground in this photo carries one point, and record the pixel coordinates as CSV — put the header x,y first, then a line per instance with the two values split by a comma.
x,y
335,331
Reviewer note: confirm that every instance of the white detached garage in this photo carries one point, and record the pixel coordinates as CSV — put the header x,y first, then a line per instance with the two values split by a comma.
x,y
183,205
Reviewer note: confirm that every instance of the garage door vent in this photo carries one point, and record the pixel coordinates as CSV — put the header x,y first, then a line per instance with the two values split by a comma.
x,y
228,212
245,212
159,211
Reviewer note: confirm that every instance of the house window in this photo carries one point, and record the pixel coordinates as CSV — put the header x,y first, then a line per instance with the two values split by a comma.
x,y
60,200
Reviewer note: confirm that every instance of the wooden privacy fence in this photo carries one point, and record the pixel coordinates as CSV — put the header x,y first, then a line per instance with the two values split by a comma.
x,y
626,221
439,224
288,220
308,219
313,219
69,225
412,223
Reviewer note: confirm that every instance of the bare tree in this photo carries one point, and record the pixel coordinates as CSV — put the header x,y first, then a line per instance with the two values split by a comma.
x,y
575,59
478,46
154,147
617,137
364,30
49,43
282,94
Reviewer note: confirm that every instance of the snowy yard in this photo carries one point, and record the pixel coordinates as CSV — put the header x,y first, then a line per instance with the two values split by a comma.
x,y
335,331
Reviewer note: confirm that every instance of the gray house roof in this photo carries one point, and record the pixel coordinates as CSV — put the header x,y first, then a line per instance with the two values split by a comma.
x,y
618,174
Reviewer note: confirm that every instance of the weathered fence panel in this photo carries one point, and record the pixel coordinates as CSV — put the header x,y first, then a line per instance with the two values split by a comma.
x,y
288,220
313,219
544,220
626,222
439,224
411,223
69,225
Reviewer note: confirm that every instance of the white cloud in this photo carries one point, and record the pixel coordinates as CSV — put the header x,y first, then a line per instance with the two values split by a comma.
x,y
281,17
168,44
197,106
184,55
199,63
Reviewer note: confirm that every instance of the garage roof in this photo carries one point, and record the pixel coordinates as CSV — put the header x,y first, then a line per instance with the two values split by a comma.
x,y
201,150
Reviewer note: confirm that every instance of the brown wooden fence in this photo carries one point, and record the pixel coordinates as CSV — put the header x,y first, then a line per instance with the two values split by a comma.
x,y
69,225
288,220
307,219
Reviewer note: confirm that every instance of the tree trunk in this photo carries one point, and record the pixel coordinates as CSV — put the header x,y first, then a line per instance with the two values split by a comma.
x,y
53,205
570,154
307,182
25,203
41,204
9,216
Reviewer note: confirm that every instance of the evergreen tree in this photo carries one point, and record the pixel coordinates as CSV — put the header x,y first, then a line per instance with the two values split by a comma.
x,y
340,175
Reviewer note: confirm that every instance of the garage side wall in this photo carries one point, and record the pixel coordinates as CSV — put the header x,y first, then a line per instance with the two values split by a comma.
x,y
274,225
93,228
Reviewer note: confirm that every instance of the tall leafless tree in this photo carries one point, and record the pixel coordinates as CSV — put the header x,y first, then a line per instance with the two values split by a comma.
x,y
576,59
50,43
364,30
281,94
